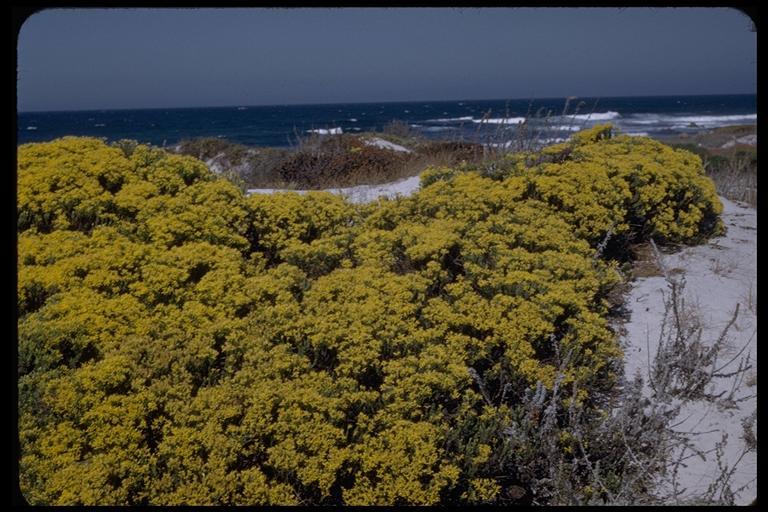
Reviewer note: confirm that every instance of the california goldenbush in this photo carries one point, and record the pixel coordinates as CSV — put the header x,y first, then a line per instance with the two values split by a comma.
x,y
180,343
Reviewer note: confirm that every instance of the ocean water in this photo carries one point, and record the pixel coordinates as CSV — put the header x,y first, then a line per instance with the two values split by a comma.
x,y
489,121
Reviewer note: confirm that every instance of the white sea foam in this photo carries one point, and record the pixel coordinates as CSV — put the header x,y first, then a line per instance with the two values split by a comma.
x,y
637,134
31,127
715,119
99,125
644,119
353,119
659,119
596,116
568,127
510,143
500,120
506,144
328,131
438,128
449,119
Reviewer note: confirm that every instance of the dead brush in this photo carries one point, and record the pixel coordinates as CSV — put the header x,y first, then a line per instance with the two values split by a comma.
x,y
686,365
340,161
689,369
399,129
330,161
625,445
501,140
567,452
451,153
206,148
734,172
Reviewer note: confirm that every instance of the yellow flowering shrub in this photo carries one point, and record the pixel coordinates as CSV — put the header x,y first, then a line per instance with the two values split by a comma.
x,y
288,217
671,198
182,344
629,188
402,465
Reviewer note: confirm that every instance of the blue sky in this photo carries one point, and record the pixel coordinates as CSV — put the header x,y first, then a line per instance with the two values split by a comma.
x,y
72,59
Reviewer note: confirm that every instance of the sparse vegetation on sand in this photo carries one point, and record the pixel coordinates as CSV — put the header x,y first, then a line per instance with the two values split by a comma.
x,y
181,343
729,155
325,161
318,162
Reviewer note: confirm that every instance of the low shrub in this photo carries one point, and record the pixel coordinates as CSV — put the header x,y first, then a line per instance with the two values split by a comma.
x,y
206,148
340,163
459,150
186,345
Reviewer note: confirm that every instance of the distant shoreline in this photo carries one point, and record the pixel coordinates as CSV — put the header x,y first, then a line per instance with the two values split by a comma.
x,y
709,138
475,120
716,138
706,137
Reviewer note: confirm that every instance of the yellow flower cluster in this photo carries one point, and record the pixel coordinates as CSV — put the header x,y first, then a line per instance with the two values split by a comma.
x,y
182,344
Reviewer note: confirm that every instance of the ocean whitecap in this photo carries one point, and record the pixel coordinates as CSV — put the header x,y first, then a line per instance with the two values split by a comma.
x,y
326,131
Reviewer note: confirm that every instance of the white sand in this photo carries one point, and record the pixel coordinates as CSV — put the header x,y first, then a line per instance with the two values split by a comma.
x,y
360,193
718,275
747,139
385,144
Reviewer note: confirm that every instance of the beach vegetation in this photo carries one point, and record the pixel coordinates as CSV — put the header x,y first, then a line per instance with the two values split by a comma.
x,y
181,343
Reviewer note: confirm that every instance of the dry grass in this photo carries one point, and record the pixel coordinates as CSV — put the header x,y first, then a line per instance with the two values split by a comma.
x,y
329,161
339,160
736,177
646,263
343,161
733,169
249,167
399,129
750,299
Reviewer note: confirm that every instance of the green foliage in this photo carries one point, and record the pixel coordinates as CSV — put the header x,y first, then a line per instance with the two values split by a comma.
x,y
182,344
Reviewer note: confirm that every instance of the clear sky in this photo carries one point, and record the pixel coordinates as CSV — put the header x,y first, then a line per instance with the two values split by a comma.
x,y
142,58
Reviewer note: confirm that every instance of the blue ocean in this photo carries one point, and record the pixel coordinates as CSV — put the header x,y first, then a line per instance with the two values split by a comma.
x,y
478,120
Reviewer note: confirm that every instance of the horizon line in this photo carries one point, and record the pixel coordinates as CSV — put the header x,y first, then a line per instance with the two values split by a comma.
x,y
377,102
